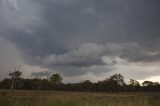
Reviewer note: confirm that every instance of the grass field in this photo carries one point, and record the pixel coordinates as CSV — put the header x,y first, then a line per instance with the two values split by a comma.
x,y
35,98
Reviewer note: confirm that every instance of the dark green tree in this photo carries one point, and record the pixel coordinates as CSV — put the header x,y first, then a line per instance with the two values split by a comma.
x,y
55,80
116,82
87,85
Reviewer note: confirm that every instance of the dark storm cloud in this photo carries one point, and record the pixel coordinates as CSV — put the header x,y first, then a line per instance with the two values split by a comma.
x,y
75,33
40,74
104,20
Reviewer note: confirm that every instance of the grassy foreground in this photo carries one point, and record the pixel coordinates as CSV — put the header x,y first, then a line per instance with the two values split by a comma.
x,y
34,98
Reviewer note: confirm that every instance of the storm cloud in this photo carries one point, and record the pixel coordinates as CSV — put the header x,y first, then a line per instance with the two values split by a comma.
x,y
76,37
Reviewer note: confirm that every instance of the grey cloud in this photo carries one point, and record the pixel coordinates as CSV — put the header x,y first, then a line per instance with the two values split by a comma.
x,y
9,58
85,56
78,71
91,54
40,74
65,25
57,34
134,52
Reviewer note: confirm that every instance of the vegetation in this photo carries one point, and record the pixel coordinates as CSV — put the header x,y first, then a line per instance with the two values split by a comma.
x,y
114,83
15,77
52,92
50,98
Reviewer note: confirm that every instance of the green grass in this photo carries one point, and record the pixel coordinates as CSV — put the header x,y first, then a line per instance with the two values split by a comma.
x,y
34,98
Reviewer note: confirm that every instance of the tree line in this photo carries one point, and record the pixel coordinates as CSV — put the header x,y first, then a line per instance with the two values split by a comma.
x,y
114,83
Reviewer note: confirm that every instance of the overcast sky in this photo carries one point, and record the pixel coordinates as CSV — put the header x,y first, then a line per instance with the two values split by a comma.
x,y
81,39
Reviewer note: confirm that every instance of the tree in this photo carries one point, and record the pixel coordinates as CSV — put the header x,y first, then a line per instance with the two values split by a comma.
x,y
147,83
134,85
155,83
115,82
118,78
56,79
87,85
5,84
15,76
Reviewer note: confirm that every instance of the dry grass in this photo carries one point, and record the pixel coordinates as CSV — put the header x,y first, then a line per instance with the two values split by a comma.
x,y
37,98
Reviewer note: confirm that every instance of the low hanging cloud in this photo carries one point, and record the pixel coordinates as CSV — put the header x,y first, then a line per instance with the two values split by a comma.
x,y
40,74
91,54
85,56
